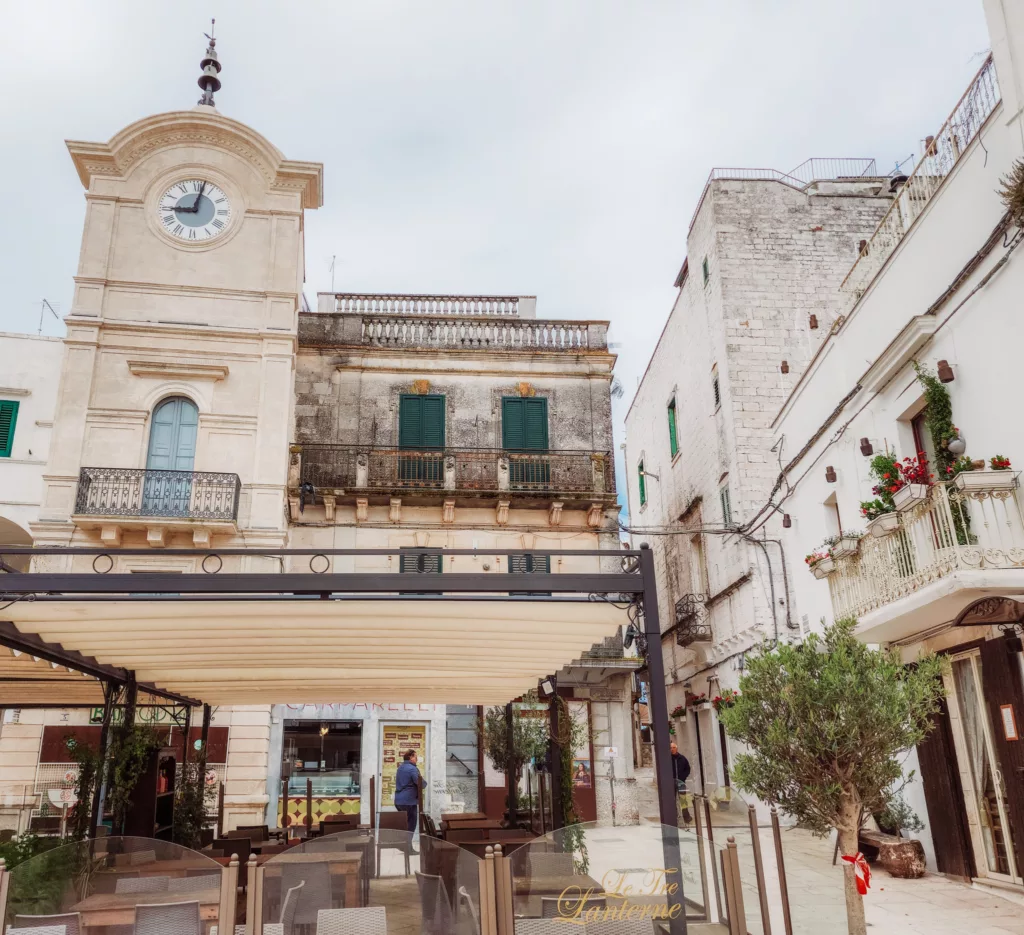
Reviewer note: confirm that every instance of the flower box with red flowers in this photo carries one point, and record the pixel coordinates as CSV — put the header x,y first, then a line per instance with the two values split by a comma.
x,y
912,486
1002,479
725,700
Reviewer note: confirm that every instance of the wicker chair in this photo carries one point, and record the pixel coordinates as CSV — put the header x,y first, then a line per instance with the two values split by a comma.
x,y
540,927
630,927
40,930
555,907
466,904
196,884
136,858
71,922
392,834
371,921
312,886
142,885
544,864
168,919
434,905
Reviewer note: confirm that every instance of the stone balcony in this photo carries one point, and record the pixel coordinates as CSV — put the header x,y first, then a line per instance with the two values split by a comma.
x,y
550,480
962,540
114,499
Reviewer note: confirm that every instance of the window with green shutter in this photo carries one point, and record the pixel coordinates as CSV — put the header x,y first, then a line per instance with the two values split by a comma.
x,y
723,495
524,432
421,429
642,482
673,439
420,563
8,418
530,564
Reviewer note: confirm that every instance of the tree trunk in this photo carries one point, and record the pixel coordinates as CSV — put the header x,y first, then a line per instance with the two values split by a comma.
x,y
849,829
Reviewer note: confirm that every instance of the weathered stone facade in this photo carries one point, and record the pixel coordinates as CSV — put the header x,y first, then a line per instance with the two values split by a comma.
x,y
763,258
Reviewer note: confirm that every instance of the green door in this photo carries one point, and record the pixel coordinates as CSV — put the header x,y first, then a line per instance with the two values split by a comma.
x,y
421,432
524,435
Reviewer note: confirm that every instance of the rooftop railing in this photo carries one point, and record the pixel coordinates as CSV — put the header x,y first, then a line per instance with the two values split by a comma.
x,y
476,333
393,304
974,522
942,153
355,467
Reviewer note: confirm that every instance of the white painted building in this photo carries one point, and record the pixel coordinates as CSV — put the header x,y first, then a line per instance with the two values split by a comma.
x,y
938,283
766,252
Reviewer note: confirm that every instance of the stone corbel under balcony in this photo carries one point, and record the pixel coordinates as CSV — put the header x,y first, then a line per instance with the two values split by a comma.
x,y
555,513
448,511
157,532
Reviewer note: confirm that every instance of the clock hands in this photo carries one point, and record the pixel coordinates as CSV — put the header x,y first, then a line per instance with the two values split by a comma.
x,y
195,207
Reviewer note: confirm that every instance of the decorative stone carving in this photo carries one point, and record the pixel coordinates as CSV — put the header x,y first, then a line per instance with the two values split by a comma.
x,y
449,472
555,513
421,539
294,466
362,469
503,473
156,536
421,387
501,515
448,511
329,504
395,510
526,389
201,538
293,509
597,460
110,536
362,509
594,515
529,541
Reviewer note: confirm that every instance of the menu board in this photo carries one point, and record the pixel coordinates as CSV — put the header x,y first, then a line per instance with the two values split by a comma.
x,y
395,740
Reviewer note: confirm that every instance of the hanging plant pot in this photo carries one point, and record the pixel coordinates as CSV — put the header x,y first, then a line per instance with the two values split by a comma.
x,y
823,568
909,496
883,525
847,545
985,480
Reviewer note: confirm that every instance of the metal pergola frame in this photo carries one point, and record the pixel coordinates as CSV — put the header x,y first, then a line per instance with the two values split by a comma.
x,y
633,588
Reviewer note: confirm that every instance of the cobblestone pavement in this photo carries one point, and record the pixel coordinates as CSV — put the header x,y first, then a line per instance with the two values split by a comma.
x,y
933,905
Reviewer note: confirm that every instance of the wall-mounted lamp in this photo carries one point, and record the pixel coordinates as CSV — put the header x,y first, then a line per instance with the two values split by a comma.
x,y
814,322
786,521
830,474
862,248
547,688
945,372
785,366
866,448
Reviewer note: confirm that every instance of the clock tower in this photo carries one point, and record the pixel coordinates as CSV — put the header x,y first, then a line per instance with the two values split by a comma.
x,y
175,403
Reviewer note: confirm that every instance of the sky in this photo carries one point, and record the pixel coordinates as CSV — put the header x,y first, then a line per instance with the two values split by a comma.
x,y
555,149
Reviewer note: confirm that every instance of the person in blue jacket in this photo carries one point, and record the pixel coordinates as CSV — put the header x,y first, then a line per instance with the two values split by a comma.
x,y
407,789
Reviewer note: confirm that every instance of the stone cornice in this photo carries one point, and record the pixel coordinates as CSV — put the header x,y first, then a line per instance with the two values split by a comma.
x,y
182,370
203,127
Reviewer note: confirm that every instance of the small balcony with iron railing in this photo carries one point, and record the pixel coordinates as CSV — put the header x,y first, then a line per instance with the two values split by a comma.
x,y
465,474
960,540
123,497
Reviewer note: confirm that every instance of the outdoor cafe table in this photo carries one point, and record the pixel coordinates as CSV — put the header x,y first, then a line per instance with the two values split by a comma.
x,y
102,909
345,864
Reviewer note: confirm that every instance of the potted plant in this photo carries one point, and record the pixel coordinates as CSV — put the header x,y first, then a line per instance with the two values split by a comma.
x,y
882,519
913,484
846,543
678,711
725,700
698,702
820,563
999,476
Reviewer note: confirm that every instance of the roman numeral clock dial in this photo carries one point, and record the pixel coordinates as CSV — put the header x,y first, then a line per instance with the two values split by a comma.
x,y
194,211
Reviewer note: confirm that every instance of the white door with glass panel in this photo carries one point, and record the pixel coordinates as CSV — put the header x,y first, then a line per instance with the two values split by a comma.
x,y
172,453
980,776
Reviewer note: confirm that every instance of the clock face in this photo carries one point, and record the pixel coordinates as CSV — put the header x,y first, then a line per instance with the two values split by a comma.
x,y
194,210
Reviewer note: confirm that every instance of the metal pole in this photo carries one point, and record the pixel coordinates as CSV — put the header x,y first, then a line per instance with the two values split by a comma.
x,y
787,918
186,741
555,756
510,773
662,755
130,702
706,806
762,893
109,694
204,738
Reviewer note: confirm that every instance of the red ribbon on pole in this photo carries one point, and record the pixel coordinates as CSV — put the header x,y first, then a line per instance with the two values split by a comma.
x,y
861,871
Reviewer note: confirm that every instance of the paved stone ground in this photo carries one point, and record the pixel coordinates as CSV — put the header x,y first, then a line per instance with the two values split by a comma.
x,y
932,905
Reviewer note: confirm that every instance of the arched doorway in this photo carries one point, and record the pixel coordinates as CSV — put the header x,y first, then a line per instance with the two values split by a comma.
x,y
12,534
171,458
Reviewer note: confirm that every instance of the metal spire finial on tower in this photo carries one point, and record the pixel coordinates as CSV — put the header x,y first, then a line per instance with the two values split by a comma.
x,y
208,80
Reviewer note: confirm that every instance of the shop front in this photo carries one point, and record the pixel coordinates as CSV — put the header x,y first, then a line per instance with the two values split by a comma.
x,y
335,756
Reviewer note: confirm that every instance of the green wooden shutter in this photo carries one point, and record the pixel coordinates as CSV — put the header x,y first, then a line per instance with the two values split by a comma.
x,y
524,424
536,421
673,440
433,422
421,422
529,564
643,483
8,418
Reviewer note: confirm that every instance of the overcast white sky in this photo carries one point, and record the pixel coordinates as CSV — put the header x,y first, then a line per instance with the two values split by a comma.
x,y
548,147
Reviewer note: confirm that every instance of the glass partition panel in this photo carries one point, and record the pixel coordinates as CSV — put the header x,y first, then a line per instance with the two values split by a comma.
x,y
103,883
628,879
407,883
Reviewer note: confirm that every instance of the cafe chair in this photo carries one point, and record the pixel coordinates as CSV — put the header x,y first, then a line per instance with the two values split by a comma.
x,y
557,907
314,894
540,927
543,864
288,907
434,905
370,921
142,885
255,832
196,884
69,922
136,858
628,927
168,919
467,905
40,930
392,834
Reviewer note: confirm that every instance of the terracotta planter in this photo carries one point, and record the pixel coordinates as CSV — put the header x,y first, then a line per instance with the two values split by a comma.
x,y
985,480
848,545
909,496
883,525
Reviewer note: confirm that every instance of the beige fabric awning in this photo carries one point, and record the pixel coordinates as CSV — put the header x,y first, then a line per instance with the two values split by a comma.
x,y
292,651
25,680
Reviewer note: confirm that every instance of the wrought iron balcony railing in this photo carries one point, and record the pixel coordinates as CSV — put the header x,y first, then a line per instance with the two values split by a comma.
x,y
351,467
692,624
974,522
174,494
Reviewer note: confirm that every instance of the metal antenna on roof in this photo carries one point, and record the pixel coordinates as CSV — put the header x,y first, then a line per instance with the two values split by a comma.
x,y
208,80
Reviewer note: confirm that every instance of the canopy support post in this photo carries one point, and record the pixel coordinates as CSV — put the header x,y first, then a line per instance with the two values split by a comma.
x,y
555,758
662,754
510,773
110,693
